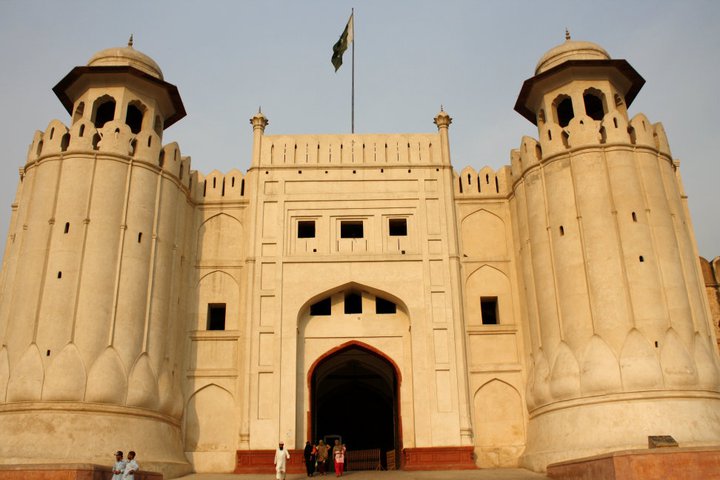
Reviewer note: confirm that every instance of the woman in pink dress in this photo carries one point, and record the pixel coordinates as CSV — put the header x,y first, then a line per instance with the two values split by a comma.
x,y
339,457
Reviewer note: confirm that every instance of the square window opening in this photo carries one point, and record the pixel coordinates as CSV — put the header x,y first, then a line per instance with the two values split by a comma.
x,y
398,227
383,306
323,307
216,316
489,310
353,303
306,229
351,229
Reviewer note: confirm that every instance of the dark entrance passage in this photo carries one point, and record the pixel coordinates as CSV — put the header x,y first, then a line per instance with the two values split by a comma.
x,y
354,396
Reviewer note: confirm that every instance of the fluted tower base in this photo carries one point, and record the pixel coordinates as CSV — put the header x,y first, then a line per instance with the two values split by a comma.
x,y
52,433
581,428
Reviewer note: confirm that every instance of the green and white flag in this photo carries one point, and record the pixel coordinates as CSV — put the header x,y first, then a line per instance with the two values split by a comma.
x,y
339,48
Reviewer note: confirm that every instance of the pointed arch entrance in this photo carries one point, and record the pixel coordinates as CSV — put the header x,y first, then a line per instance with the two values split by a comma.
x,y
354,393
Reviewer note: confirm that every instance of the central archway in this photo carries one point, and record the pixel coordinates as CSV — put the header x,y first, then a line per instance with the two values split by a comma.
x,y
354,394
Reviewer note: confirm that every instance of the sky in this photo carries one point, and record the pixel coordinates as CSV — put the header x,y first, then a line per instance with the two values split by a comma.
x,y
228,58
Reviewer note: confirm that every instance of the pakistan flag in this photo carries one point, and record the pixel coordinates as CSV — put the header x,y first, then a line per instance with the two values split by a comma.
x,y
342,44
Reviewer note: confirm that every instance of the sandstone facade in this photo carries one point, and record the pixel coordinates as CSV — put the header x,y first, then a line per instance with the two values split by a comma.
x,y
353,285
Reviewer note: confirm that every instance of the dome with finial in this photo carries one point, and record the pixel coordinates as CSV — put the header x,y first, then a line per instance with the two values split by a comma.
x,y
126,56
570,50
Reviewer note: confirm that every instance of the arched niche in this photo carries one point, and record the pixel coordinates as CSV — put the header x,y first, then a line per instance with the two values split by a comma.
x,y
215,289
220,241
499,424
483,236
208,426
487,283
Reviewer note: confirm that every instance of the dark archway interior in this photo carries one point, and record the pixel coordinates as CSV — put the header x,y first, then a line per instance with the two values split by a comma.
x,y
355,397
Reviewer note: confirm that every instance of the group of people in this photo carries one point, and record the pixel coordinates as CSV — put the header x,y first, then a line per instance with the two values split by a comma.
x,y
318,456
125,469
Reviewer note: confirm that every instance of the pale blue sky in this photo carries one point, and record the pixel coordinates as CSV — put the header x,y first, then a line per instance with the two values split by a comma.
x,y
229,57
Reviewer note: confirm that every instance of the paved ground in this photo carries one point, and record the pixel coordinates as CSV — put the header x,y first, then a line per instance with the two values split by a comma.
x,y
489,474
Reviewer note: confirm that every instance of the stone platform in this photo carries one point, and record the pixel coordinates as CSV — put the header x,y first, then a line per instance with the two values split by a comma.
x,y
646,464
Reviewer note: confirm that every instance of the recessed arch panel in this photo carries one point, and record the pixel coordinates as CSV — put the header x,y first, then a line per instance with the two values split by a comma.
x,y
488,282
220,241
483,236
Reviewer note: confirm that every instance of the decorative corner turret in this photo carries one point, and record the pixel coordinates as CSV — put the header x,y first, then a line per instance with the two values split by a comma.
x,y
442,119
577,79
259,121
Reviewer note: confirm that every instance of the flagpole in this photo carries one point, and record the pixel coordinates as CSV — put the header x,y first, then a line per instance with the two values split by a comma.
x,y
352,94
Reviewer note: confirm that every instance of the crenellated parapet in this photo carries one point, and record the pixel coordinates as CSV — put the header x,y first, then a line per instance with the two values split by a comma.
x,y
614,130
371,150
115,138
486,183
220,187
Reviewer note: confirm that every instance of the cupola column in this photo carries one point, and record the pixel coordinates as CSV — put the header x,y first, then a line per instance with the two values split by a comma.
x,y
258,122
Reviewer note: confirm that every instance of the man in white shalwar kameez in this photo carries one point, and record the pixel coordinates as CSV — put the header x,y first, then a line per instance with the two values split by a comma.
x,y
119,466
281,458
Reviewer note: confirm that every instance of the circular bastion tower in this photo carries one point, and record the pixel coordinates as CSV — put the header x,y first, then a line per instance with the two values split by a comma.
x,y
620,341
90,353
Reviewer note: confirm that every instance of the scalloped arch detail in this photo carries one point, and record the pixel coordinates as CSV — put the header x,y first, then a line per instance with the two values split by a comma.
x,y
107,380
143,386
66,376
26,378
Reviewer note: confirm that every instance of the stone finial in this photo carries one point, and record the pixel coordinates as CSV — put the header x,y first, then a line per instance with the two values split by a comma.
x,y
567,34
442,119
130,41
259,121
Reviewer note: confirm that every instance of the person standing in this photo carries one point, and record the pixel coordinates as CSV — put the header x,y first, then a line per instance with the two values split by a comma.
x,y
309,455
281,458
119,466
131,467
322,456
339,457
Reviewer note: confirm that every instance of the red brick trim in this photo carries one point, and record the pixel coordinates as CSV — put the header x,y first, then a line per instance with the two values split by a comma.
x,y
65,472
438,458
261,461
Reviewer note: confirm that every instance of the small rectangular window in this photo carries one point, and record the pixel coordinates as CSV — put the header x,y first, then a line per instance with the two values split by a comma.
x,y
323,307
216,316
351,229
398,227
383,306
353,303
489,311
306,229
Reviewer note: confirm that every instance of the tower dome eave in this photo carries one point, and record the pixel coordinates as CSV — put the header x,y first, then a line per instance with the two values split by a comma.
x,y
629,81
67,89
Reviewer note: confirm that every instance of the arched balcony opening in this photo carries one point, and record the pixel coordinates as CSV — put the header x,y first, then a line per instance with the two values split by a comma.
x,y
595,107
563,110
103,111
134,116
